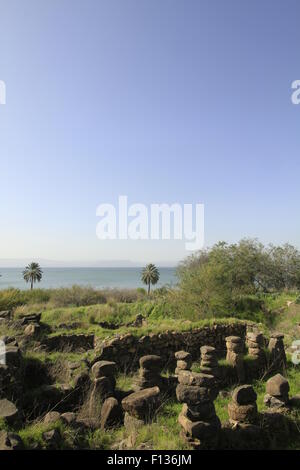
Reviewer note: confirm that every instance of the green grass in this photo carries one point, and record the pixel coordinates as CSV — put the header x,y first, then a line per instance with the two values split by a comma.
x,y
162,434
33,434
121,314
293,376
124,382
74,296
100,440
221,406
3,425
56,356
279,300
62,314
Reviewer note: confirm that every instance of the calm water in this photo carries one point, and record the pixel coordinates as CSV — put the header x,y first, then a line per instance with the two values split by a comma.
x,y
95,277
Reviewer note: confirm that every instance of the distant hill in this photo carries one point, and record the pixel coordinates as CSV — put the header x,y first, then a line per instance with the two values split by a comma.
x,y
45,263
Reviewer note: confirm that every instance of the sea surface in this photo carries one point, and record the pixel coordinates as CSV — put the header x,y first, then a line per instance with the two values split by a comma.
x,y
94,277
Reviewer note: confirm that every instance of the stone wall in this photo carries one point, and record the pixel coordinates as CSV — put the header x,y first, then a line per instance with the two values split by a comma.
x,y
127,349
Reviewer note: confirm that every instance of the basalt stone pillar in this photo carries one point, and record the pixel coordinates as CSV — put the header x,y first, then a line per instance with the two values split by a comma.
x,y
184,361
111,413
209,361
235,350
103,385
255,344
149,373
105,369
277,352
198,419
140,407
243,408
277,389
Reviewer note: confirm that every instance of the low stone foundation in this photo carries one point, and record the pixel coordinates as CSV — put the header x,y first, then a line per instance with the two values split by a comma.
x,y
126,350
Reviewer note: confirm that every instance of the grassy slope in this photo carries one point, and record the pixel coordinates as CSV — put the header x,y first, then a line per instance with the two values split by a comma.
x,y
164,433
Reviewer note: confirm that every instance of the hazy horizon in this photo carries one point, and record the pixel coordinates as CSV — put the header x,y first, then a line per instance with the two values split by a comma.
x,y
118,264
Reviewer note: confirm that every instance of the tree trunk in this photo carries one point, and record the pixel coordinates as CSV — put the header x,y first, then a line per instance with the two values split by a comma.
x,y
31,287
149,287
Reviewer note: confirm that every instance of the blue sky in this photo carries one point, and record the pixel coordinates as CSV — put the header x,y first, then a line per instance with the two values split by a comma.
x,y
160,100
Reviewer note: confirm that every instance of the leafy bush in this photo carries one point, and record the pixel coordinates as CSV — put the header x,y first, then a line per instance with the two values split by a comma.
x,y
76,296
231,280
11,298
124,295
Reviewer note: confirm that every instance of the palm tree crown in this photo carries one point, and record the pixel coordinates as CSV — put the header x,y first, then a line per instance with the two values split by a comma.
x,y
32,273
150,275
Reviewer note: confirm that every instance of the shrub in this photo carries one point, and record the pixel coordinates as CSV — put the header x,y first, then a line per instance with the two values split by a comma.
x,y
76,296
11,298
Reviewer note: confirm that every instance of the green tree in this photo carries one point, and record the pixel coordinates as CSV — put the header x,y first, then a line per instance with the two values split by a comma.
x,y
150,275
230,277
32,273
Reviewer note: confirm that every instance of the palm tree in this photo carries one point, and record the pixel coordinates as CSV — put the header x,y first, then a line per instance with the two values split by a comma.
x,y
32,273
150,275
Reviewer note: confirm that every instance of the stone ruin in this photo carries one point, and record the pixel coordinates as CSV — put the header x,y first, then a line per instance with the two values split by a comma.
x,y
209,361
234,356
255,344
198,419
103,392
277,388
184,361
103,373
277,351
244,429
139,407
243,408
196,391
149,373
